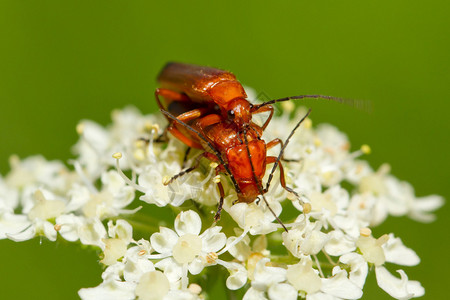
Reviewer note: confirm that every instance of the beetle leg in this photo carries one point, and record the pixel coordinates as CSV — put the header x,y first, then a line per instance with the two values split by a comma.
x,y
190,169
186,117
187,140
192,114
209,120
262,109
222,196
186,153
219,169
275,142
271,160
170,95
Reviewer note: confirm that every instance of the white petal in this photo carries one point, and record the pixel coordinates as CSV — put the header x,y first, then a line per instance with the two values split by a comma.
x,y
196,266
188,222
164,240
79,196
11,224
265,276
112,181
180,295
254,217
254,294
171,269
321,296
135,268
314,242
348,223
238,276
44,208
397,253
26,234
303,277
422,208
113,272
339,244
282,291
153,285
111,290
213,240
241,251
340,286
359,268
69,226
91,232
9,197
371,249
114,250
49,231
121,230
399,288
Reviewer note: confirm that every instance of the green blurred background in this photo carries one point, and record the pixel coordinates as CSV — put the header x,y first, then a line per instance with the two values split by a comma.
x,y
61,62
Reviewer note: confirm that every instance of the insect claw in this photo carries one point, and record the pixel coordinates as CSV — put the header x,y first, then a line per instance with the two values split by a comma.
x,y
217,216
143,139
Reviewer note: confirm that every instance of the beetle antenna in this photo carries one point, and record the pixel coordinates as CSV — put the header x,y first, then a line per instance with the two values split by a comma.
x,y
283,148
258,183
359,104
216,152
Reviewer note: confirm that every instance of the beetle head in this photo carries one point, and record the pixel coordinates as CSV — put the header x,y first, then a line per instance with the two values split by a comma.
x,y
239,112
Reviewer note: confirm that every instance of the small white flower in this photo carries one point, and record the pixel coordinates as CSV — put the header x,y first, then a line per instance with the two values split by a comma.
x,y
136,262
120,235
38,218
238,274
153,285
358,268
9,196
114,249
303,277
12,225
371,249
37,172
254,218
111,200
269,280
305,238
398,196
112,286
184,247
92,232
339,243
339,285
151,183
93,147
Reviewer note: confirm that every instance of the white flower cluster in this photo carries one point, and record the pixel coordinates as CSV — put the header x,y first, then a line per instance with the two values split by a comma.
x,y
326,254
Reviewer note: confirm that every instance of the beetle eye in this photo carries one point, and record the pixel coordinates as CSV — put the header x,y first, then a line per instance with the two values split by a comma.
x,y
231,114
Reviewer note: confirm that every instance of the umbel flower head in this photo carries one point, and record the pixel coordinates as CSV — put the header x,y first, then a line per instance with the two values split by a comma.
x,y
326,254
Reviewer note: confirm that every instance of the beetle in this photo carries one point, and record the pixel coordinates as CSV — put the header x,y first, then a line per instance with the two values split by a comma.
x,y
241,155
209,90
207,109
